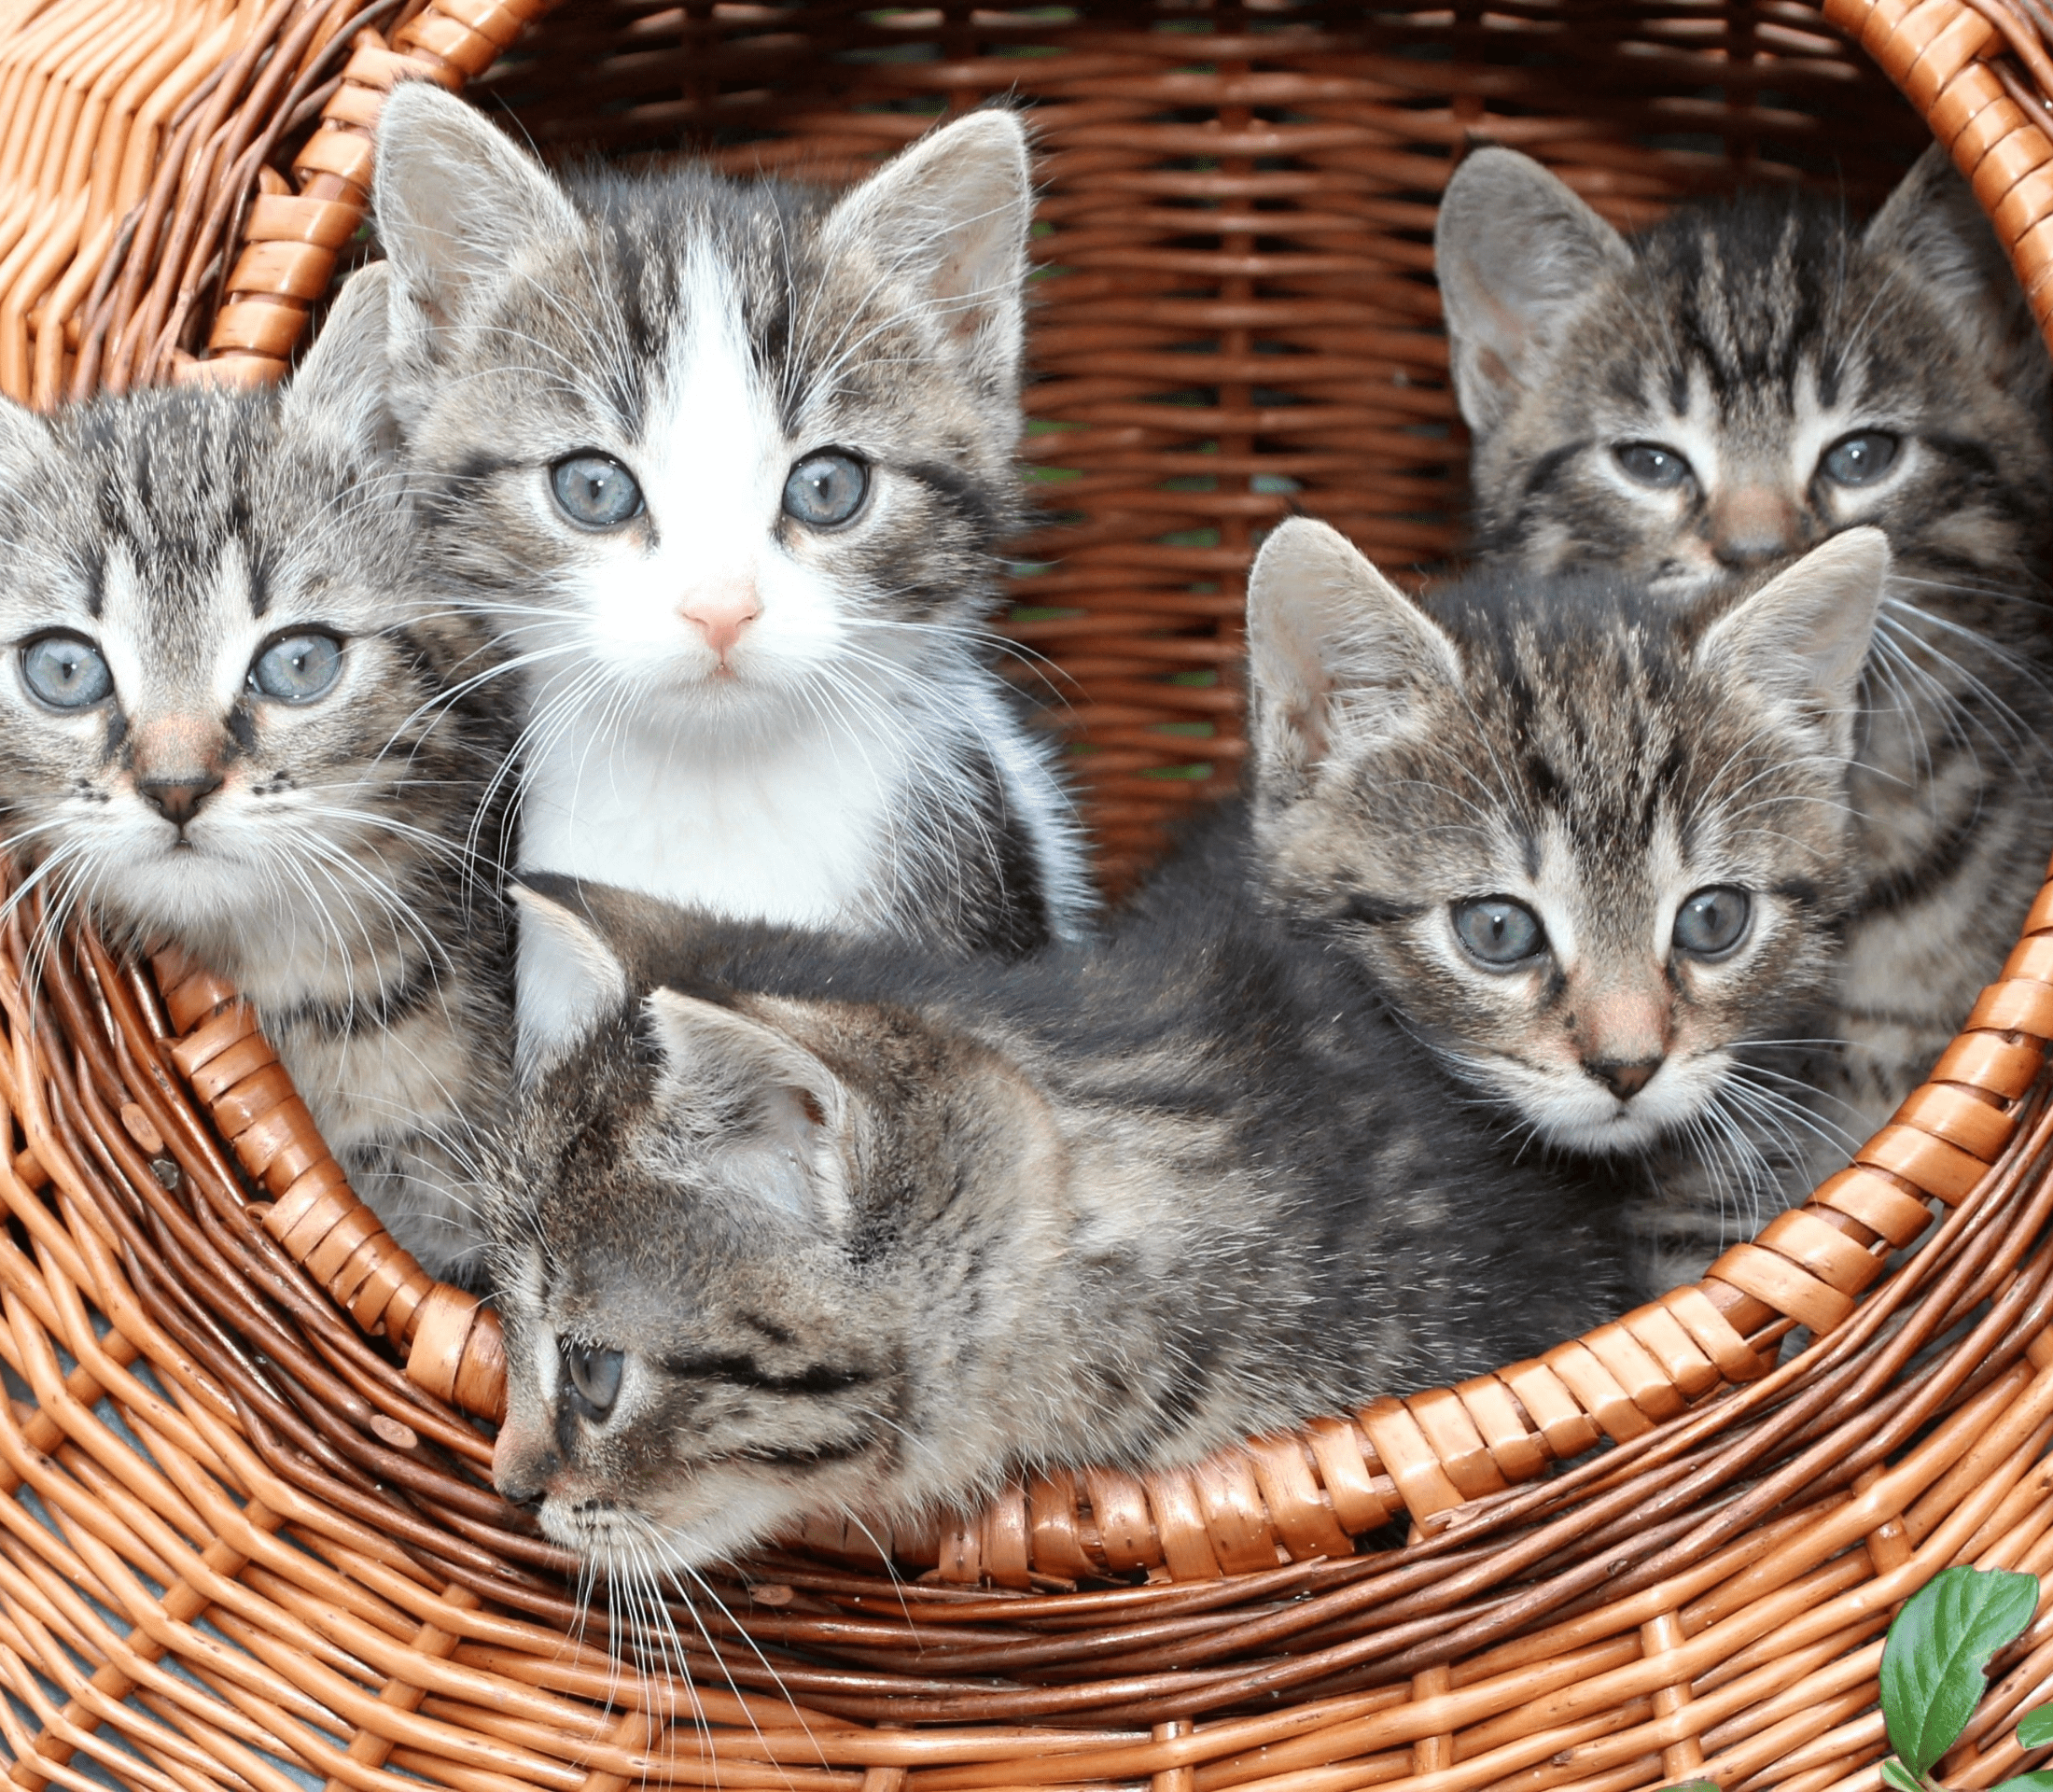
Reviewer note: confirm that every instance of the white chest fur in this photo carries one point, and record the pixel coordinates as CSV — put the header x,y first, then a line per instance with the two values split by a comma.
x,y
795,826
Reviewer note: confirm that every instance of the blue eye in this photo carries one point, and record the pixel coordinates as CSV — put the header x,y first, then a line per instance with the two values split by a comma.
x,y
826,489
1859,459
595,490
1651,464
1712,921
66,672
297,669
1498,932
595,1372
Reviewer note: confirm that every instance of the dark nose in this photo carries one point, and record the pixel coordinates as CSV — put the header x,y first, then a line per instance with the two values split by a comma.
x,y
524,1476
1623,1080
178,799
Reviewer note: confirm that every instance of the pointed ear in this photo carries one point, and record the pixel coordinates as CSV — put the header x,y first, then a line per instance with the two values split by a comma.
x,y
456,202
340,386
571,979
772,1111
952,212
1517,254
1934,229
1802,638
1334,651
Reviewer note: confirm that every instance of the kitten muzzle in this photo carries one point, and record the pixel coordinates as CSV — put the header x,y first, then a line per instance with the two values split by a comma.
x,y
178,799
1755,526
1624,1079
721,618
522,1466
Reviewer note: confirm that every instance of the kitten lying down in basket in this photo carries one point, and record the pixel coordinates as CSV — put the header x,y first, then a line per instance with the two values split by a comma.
x,y
797,1225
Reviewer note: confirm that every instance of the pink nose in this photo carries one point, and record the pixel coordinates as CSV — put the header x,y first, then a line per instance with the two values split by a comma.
x,y
721,619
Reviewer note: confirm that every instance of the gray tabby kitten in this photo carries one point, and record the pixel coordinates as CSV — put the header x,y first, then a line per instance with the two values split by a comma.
x,y
232,722
802,1227
1598,855
805,1226
726,462
1730,386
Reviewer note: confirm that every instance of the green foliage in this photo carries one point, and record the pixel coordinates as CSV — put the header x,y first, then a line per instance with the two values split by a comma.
x,y
1934,1669
2035,1728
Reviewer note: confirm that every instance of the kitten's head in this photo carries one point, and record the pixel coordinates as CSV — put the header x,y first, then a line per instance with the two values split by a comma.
x,y
216,695
1587,848
1732,385
729,1251
684,436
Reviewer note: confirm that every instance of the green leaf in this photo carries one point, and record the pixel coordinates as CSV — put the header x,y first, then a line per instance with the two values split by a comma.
x,y
1938,1646
2040,1781
2035,1728
1897,1774
1691,1785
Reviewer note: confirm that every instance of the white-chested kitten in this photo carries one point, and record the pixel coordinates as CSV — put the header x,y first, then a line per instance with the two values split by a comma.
x,y
232,720
725,462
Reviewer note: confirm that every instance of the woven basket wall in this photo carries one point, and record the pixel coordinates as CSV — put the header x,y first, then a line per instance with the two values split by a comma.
x,y
250,1540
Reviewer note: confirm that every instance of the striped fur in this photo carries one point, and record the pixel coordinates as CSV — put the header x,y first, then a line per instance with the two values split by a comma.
x,y
1585,759
864,1231
1759,343
330,856
727,706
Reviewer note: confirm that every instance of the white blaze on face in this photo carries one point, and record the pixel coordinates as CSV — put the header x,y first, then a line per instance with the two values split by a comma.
x,y
702,592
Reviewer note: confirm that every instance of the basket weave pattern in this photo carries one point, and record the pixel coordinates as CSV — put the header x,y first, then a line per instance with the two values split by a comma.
x,y
250,1522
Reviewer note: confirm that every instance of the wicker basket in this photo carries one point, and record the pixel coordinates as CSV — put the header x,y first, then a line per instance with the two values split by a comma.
x,y
251,1536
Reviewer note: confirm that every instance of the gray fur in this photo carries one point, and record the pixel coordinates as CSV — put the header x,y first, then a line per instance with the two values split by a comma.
x,y
1754,335
1598,756
532,319
876,1231
340,874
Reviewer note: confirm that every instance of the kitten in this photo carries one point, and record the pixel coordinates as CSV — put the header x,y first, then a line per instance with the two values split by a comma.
x,y
880,1231
1732,385
232,722
1593,848
875,1232
726,464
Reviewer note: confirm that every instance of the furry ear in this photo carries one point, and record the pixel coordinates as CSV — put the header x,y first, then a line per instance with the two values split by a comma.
x,y
1517,253
340,385
952,210
1333,650
1802,638
456,202
771,1110
1933,227
571,978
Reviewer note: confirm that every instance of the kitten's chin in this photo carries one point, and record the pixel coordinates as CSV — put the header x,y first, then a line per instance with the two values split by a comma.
x,y
720,1517
1573,1112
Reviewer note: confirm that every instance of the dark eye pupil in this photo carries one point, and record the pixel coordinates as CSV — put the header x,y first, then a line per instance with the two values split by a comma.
x,y
826,489
1712,920
298,669
1651,464
67,673
594,490
595,1374
1498,931
1860,459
